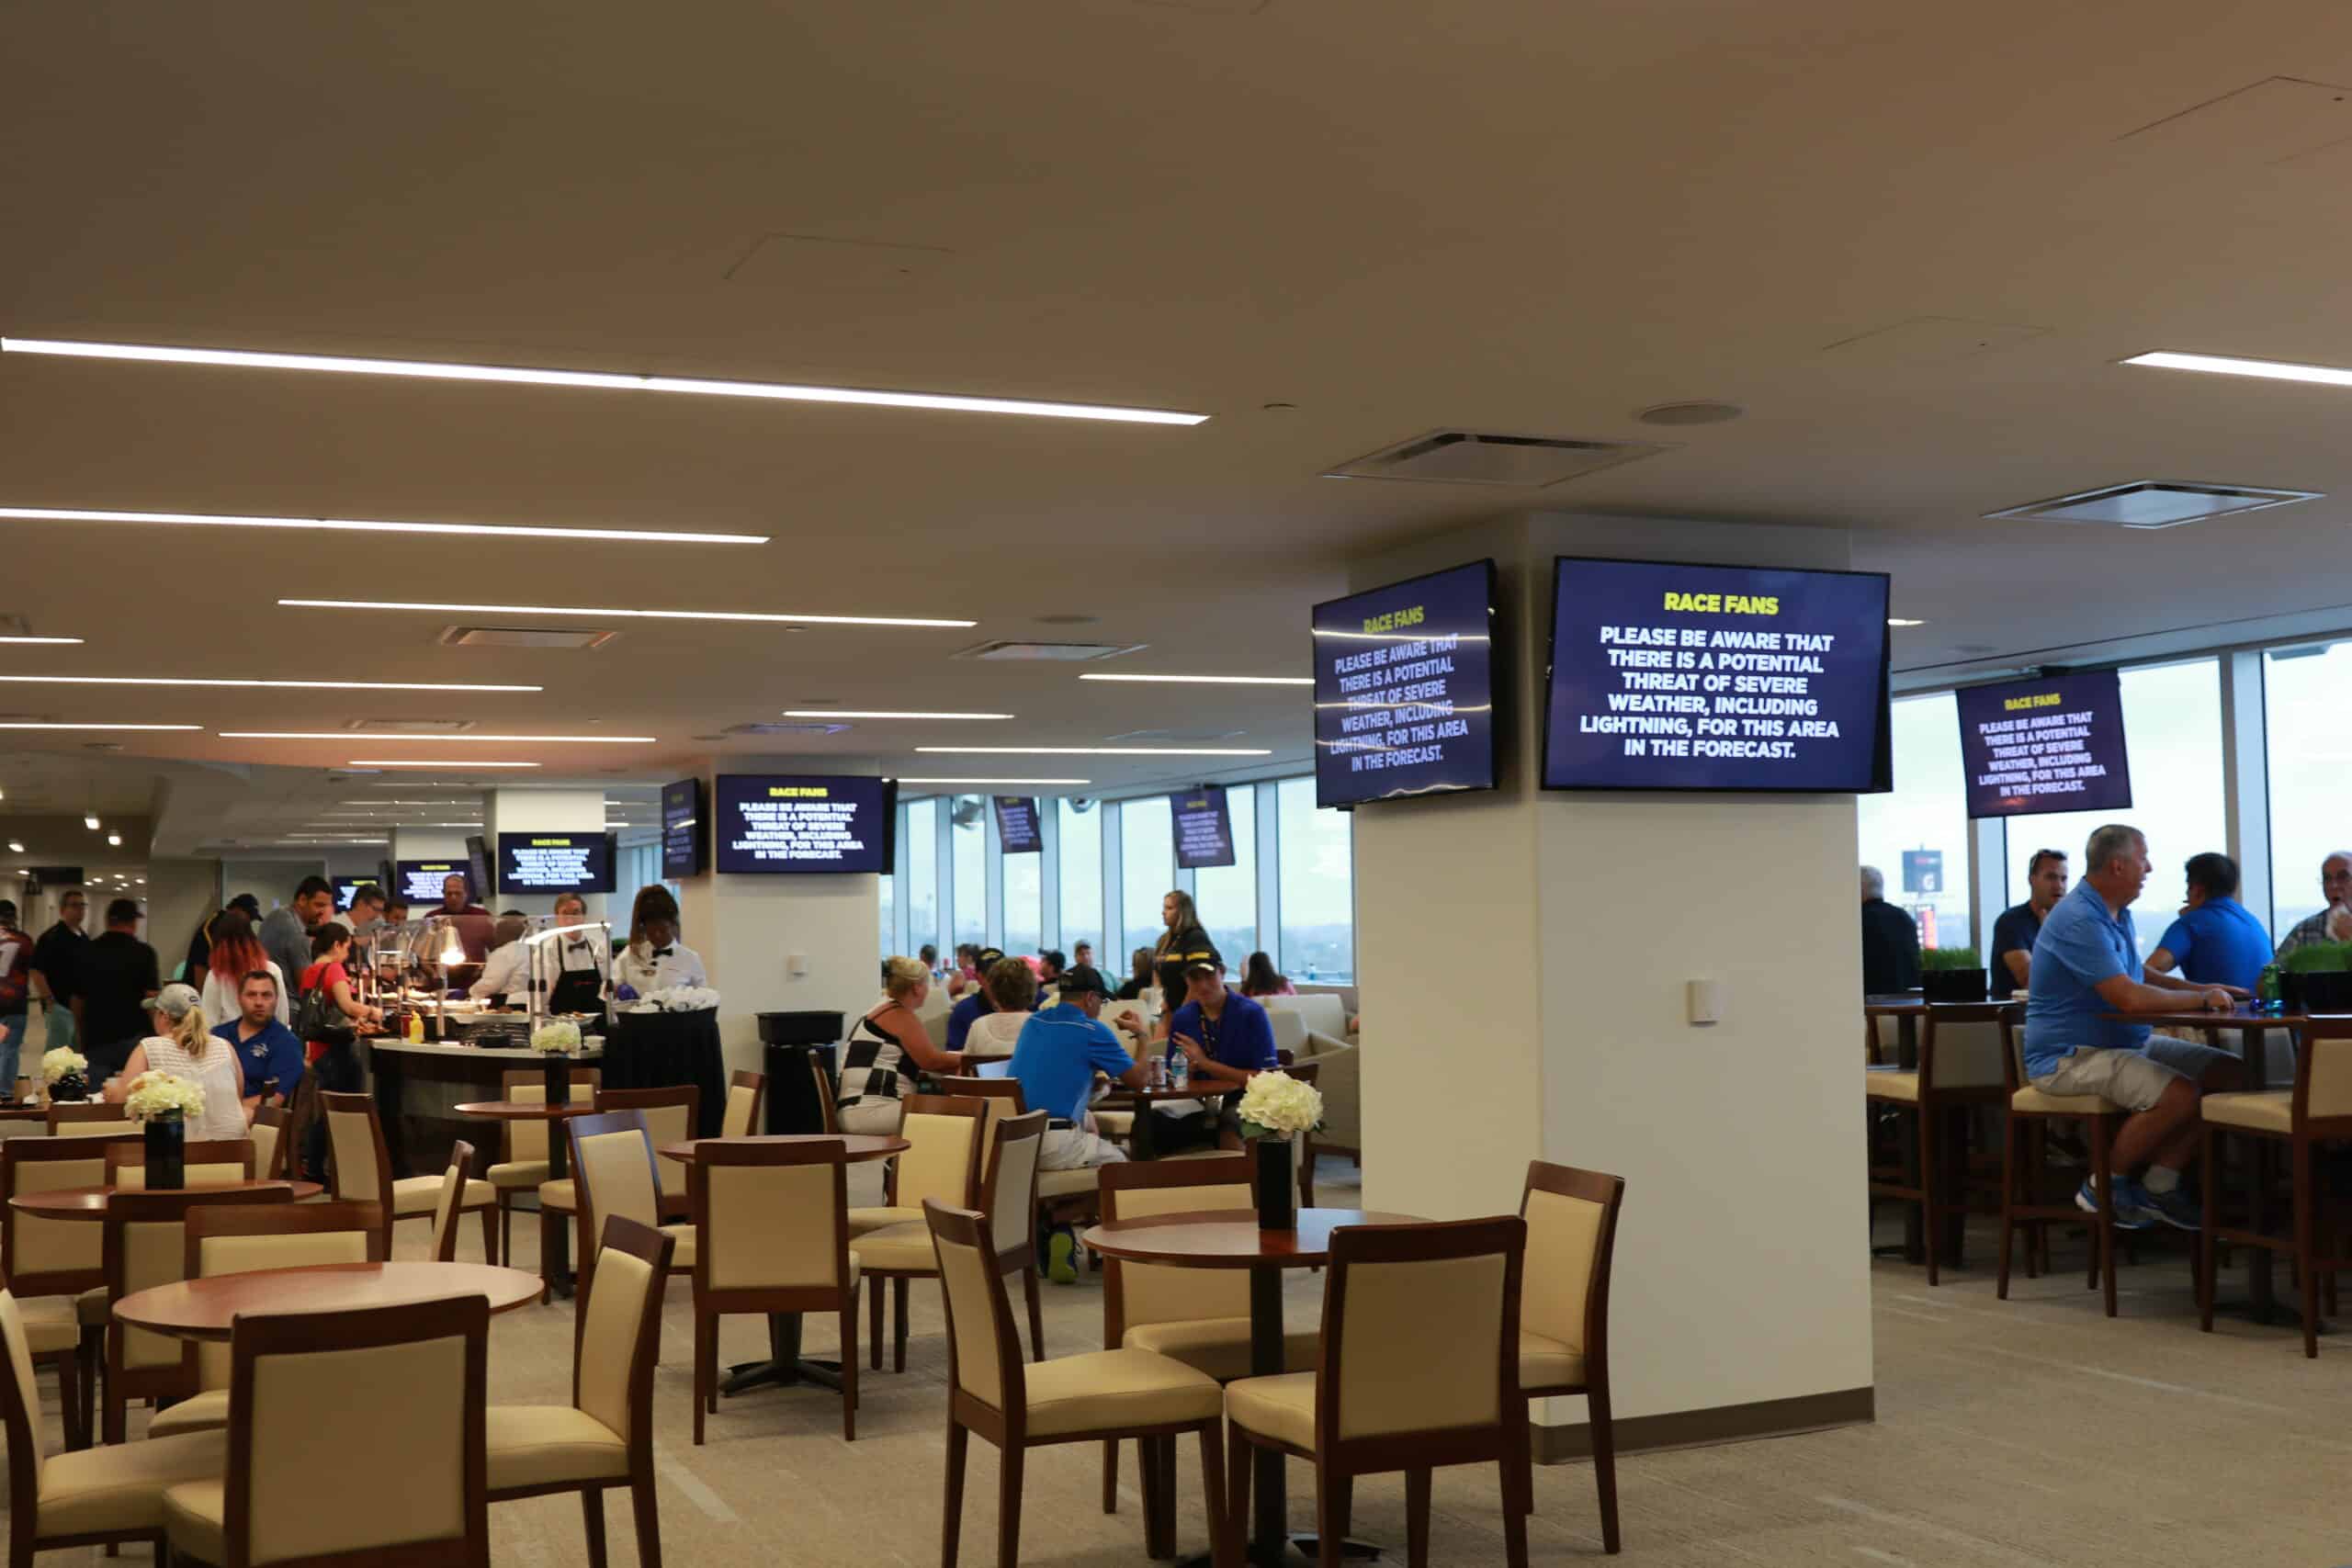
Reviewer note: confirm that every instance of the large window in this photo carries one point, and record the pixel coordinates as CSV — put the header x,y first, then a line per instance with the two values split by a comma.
x,y
1318,885
1025,905
2304,692
1147,867
922,874
968,839
1917,833
1081,833
2172,730
1228,894
888,905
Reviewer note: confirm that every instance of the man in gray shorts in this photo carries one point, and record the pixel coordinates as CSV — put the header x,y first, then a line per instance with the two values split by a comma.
x,y
2087,966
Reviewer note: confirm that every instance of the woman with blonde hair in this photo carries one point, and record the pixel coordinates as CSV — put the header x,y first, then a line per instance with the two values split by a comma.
x,y
884,1049
184,1046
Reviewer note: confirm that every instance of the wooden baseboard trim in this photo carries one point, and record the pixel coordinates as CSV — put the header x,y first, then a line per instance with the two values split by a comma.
x,y
1720,1424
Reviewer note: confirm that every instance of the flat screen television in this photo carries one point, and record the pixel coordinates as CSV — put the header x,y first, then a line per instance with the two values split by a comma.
x,y
2053,744
421,881
555,862
344,887
772,824
685,830
1405,689
1671,675
1203,828
1016,824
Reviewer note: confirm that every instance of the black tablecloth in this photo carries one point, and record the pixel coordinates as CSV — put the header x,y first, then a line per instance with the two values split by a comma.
x,y
662,1050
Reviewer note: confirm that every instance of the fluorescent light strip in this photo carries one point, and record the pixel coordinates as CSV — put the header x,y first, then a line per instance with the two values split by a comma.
x,y
995,781
618,614
2264,370
1213,680
41,639
275,685
461,765
879,712
101,726
1096,751
1898,621
603,380
432,739
366,526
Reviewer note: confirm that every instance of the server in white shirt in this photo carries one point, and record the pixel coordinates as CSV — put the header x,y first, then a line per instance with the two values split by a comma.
x,y
573,960
505,974
655,960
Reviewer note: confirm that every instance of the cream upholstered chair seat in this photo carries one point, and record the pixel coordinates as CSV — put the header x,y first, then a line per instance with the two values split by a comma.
x,y
1879,1084
562,1196
1219,1346
2272,1110
861,1221
1069,1183
200,1413
1282,1407
540,1445
422,1194
683,1234
121,1486
1114,1123
51,1323
1116,1391
515,1174
894,1247
1547,1363
2033,1100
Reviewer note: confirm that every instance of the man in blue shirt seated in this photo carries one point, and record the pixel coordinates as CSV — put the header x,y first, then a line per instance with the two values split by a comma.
x,y
1059,1051
1226,1037
960,1016
2086,966
2216,940
265,1048
2013,933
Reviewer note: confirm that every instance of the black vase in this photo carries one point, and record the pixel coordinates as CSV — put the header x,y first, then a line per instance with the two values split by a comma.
x,y
166,1156
559,1071
1277,1175
72,1087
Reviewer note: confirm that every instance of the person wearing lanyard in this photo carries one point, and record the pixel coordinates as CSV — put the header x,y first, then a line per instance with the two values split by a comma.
x,y
1225,1037
573,965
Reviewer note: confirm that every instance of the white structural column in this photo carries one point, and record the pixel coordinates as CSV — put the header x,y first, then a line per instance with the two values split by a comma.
x,y
1521,958
779,943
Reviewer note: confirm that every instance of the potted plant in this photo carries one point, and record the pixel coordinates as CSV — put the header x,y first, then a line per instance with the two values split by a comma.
x,y
1275,1110
62,1070
1952,975
555,1042
162,1105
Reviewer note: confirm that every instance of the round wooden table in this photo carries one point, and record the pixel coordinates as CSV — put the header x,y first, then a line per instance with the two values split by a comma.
x,y
204,1309
90,1203
785,1365
1229,1239
555,1240
1144,1140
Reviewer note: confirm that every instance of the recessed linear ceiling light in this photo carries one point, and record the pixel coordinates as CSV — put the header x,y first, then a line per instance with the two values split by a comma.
x,y
1095,750
1899,621
460,765
1213,680
435,739
605,380
278,685
906,780
41,639
879,712
12,725
365,525
15,848
631,615
2262,369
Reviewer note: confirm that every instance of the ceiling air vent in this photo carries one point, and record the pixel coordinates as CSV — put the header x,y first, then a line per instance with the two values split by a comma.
x,y
786,729
409,726
1062,652
1469,457
2154,504
527,636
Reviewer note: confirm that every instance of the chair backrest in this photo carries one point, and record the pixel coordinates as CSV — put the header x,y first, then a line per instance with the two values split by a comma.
x,y
1961,1045
445,1203
269,1142
1005,1101
48,1258
1010,1194
612,1161
84,1118
671,1116
2012,1026
20,1412
1138,1293
1383,1374
224,1238
983,1349
771,1217
1325,1011
2323,1069
1571,1237
526,1142
944,1161
746,1092
402,1385
145,1237
620,1337
215,1162
1290,1029
358,1163
829,1102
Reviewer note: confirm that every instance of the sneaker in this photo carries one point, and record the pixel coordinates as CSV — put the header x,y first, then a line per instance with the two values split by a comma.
x,y
2180,1209
2131,1204
1061,1258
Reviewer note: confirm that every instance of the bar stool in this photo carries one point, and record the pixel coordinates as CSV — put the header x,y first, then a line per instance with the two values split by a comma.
x,y
2023,1165
1960,1065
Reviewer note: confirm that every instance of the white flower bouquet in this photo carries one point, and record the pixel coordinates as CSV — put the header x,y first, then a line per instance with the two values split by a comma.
x,y
677,998
64,1062
1277,1105
559,1036
160,1096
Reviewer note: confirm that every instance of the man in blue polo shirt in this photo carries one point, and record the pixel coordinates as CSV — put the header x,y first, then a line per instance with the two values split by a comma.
x,y
2086,966
1226,1037
2216,940
265,1048
1061,1049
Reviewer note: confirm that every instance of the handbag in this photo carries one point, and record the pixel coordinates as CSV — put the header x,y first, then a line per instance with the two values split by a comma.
x,y
317,1018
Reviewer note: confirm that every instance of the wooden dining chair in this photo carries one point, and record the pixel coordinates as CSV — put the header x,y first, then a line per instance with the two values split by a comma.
x,y
1571,1219
772,1236
1391,1395
146,1245
56,1268
1099,1396
401,1386
85,1497
360,1169
613,1161
948,1135
444,1208
672,1115
603,1439
746,1092
269,1143
241,1238
208,1162
523,1166
2024,1166
828,1101
1961,1047
88,1118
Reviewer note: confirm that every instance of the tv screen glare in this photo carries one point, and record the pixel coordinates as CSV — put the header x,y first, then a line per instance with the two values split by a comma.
x,y
420,882
685,830
344,887
2054,744
555,862
1203,828
1668,675
478,881
1016,824
1404,689
775,823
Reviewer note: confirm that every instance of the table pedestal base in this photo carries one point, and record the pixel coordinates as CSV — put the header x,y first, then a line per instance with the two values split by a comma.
x,y
783,1367
1298,1548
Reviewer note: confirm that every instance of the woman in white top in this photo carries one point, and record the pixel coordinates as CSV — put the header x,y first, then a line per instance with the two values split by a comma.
x,y
185,1048
654,959
235,954
1012,988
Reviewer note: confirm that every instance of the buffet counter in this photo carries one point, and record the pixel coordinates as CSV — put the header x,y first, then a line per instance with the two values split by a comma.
x,y
418,1088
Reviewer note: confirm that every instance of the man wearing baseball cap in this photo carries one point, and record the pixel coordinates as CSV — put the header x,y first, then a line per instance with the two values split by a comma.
x,y
1059,1051
1225,1035
960,1017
